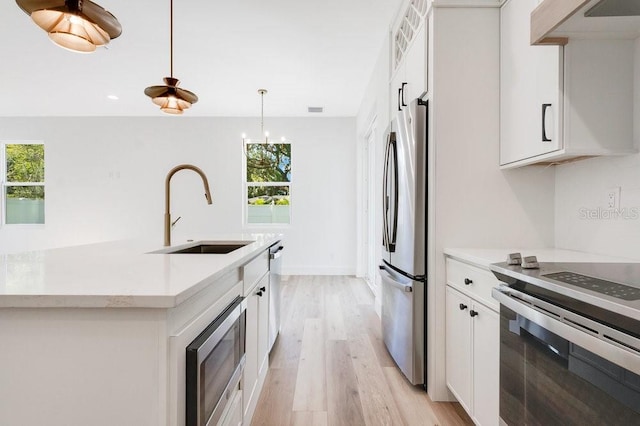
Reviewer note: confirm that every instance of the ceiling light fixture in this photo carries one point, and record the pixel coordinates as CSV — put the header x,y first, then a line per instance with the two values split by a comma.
x,y
76,25
246,140
171,98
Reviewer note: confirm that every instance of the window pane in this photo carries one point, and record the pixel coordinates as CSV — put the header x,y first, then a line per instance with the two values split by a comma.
x,y
268,204
269,162
25,204
25,163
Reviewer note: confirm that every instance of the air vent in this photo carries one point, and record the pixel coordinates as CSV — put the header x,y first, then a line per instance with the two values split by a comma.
x,y
413,17
315,109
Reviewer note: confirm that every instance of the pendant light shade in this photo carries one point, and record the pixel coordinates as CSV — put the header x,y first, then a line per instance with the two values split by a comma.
x,y
76,25
170,98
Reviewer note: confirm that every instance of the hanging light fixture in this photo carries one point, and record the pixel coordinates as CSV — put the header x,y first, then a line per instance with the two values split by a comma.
x,y
171,98
246,140
75,25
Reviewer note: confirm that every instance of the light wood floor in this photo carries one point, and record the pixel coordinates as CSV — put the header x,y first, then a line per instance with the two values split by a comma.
x,y
329,365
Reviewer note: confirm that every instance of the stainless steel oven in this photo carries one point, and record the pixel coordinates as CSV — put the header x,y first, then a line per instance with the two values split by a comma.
x,y
565,362
215,361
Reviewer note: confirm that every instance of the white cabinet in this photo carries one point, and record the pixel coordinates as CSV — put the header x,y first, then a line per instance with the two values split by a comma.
x,y
256,284
473,341
559,103
409,81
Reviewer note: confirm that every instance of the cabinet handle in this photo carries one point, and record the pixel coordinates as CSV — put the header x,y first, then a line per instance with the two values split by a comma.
x,y
400,99
463,306
402,90
259,293
263,289
467,281
473,313
544,122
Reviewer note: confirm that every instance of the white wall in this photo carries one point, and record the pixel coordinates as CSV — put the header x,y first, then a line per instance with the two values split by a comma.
x,y
105,180
583,219
373,110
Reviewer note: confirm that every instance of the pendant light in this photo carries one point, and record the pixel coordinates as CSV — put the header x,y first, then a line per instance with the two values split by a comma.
x,y
171,98
246,140
75,25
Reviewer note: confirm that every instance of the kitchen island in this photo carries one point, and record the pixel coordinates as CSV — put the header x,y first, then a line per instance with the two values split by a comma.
x,y
96,334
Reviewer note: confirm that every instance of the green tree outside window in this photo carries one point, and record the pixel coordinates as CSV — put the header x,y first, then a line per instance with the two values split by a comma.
x,y
24,183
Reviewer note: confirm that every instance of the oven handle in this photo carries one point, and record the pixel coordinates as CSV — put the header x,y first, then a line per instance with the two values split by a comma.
x,y
611,351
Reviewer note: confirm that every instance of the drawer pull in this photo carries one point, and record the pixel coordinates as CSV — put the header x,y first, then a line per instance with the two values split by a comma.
x,y
473,313
463,306
263,289
259,293
467,281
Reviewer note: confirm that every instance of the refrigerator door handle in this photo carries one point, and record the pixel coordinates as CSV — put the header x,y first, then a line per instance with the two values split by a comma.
x,y
385,196
390,212
407,288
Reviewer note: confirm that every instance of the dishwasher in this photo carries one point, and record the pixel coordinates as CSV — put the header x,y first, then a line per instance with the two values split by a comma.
x,y
275,274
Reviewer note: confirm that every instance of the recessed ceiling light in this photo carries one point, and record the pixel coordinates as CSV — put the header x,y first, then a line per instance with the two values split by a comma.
x,y
315,109
113,97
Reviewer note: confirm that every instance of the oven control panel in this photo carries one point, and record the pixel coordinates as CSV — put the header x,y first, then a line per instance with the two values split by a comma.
x,y
609,288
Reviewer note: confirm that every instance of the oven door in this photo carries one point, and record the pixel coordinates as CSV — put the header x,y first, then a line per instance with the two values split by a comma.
x,y
215,361
554,374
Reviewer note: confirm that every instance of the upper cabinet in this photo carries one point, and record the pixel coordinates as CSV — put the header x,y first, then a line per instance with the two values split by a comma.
x,y
409,56
559,103
558,21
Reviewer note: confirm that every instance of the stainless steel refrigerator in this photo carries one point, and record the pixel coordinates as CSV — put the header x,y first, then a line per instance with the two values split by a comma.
x,y
403,268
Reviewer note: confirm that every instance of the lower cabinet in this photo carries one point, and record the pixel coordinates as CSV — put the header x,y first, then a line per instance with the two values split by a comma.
x,y
257,343
473,346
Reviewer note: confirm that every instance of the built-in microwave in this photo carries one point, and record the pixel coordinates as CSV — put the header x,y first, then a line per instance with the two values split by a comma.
x,y
214,364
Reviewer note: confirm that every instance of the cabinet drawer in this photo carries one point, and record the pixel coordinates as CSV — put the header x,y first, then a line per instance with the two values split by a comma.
x,y
254,270
473,281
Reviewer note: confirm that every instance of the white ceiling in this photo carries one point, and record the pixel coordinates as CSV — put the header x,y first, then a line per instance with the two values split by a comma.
x,y
305,53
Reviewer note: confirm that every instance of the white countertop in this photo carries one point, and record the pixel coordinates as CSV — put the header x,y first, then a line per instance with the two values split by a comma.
x,y
117,274
484,257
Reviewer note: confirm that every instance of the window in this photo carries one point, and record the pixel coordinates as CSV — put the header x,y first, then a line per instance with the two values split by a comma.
x,y
23,183
268,183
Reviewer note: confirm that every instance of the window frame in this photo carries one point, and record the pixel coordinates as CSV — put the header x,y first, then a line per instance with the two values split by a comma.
x,y
4,183
246,184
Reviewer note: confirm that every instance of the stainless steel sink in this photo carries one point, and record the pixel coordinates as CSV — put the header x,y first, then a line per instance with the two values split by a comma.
x,y
206,247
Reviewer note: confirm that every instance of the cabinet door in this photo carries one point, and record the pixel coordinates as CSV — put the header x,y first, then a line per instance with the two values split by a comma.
x,y
486,365
415,63
250,374
458,346
263,324
531,107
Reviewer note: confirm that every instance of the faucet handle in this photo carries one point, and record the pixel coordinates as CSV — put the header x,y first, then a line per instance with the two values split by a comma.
x,y
175,221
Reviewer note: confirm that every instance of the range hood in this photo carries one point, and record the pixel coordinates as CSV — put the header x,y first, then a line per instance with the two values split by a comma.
x,y
558,21
614,8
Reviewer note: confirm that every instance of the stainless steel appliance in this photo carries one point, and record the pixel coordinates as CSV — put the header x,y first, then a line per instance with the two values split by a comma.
x,y
403,268
215,361
275,273
569,344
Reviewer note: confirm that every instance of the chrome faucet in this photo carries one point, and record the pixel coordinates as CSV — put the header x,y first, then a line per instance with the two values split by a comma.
x,y
167,196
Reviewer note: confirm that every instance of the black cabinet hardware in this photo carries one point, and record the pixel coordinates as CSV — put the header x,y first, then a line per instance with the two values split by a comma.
x,y
473,313
467,281
544,126
463,306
